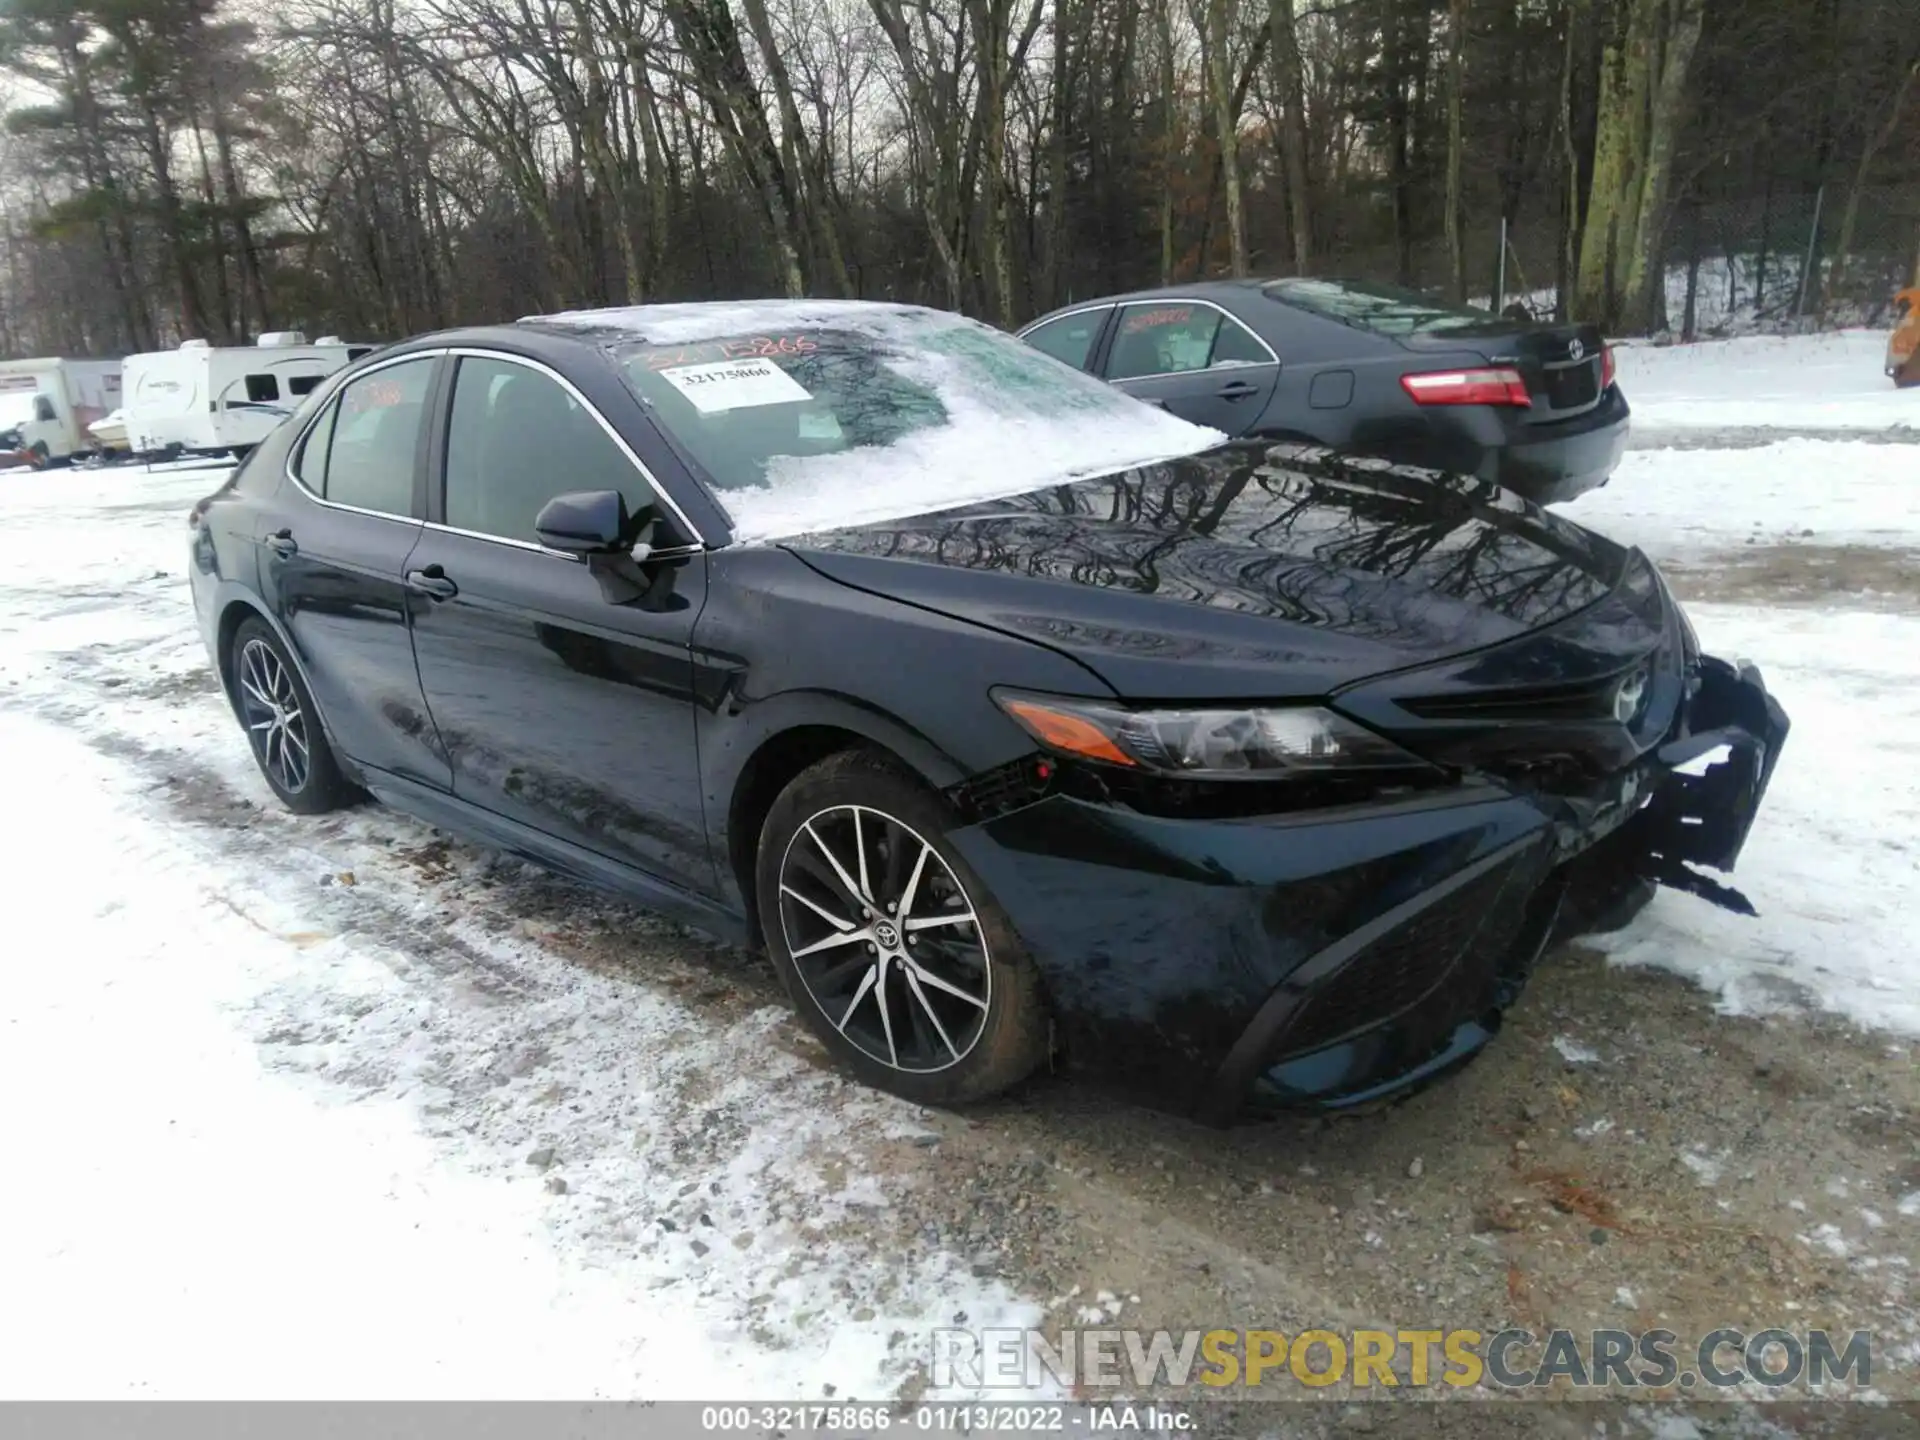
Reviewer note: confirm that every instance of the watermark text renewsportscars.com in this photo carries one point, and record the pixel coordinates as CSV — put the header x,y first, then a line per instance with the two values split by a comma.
x,y
1140,1360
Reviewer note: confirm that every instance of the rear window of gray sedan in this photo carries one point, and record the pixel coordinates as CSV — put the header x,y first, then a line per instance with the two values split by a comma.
x,y
1380,309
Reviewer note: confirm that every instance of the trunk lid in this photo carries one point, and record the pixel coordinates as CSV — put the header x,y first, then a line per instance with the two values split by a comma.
x,y
1563,365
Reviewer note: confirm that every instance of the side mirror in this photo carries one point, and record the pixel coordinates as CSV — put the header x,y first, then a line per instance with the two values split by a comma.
x,y
585,522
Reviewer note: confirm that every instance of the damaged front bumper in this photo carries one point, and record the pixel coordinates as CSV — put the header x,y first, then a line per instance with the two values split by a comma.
x,y
1701,817
1336,958
1689,804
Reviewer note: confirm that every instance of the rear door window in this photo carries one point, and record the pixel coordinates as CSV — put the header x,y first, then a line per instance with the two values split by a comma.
x,y
310,465
1071,337
375,435
1162,337
1178,337
1237,345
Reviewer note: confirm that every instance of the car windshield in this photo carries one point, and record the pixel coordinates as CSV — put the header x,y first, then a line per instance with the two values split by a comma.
x,y
1381,309
16,407
805,417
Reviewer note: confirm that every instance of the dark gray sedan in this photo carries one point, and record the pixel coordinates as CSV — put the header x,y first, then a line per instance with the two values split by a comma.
x,y
1367,368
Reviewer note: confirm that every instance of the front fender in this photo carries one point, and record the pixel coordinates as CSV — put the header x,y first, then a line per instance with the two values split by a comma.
x,y
780,648
755,725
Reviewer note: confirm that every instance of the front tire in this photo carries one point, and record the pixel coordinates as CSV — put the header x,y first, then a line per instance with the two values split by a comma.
x,y
889,945
283,727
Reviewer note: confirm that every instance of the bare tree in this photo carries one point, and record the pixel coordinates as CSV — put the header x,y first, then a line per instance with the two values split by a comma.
x,y
380,168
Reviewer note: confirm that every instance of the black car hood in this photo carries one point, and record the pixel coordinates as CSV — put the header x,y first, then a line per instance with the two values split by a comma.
x,y
1245,572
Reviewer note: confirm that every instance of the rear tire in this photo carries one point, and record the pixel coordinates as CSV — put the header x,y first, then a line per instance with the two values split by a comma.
x,y
282,725
888,943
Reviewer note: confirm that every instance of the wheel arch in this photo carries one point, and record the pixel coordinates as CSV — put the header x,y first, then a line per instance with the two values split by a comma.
x,y
237,606
797,732
235,610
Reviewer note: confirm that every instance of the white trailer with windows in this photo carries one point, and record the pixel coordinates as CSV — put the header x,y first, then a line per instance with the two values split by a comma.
x,y
205,398
46,406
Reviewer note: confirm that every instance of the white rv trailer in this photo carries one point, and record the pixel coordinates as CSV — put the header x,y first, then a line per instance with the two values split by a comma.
x,y
206,398
46,406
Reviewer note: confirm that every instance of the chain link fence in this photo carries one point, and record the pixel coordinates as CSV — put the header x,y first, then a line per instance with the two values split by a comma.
x,y
1784,261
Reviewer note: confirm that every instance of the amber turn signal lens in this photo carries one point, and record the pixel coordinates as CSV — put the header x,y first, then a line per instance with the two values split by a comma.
x,y
1067,732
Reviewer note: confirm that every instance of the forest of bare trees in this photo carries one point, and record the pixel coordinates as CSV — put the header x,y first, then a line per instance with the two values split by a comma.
x,y
374,168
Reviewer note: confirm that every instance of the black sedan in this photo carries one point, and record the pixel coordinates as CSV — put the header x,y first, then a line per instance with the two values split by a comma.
x,y
1010,718
1371,369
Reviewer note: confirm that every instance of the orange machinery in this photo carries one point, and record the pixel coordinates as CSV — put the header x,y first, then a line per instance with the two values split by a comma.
x,y
1903,346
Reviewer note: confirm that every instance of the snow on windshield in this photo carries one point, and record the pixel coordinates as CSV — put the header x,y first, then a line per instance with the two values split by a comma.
x,y
807,416
16,407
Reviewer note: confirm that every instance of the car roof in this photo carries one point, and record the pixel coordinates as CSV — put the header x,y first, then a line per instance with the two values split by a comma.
x,y
1221,290
678,323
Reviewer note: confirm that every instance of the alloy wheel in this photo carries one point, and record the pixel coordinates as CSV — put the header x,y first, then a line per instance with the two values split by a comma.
x,y
276,723
883,936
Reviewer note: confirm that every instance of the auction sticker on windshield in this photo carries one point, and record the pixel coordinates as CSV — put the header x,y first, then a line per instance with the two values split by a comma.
x,y
734,385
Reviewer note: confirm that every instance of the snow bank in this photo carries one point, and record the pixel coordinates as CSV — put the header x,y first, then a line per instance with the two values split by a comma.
x,y
1677,504
1806,382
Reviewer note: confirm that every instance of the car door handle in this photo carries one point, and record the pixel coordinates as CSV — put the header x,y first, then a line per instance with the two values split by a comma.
x,y
433,582
281,543
1237,390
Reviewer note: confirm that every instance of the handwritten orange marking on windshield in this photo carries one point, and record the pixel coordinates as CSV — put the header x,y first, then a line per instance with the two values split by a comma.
x,y
751,347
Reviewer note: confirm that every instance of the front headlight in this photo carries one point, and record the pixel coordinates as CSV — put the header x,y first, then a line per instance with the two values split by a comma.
x,y
1255,744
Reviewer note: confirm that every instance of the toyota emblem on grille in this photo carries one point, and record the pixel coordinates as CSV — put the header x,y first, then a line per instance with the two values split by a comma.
x,y
1576,350
1627,697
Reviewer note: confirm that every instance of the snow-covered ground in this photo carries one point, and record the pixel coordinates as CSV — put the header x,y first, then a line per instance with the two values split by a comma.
x,y
264,1141
1835,381
1687,503
1834,862
273,1132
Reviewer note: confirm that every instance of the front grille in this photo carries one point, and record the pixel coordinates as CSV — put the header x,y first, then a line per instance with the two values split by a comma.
x,y
1405,966
1556,739
1591,700
1571,386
